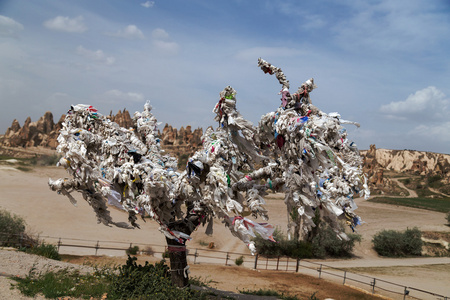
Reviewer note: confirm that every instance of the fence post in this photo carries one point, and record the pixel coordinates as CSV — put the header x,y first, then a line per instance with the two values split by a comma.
x,y
256,262
226,261
298,264
406,292
287,263
278,262
345,275
96,248
267,261
320,270
373,286
59,244
195,256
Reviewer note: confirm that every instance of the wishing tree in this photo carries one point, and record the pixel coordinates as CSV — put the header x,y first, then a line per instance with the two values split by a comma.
x,y
297,149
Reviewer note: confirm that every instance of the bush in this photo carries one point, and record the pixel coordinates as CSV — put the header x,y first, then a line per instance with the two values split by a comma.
x,y
239,261
43,249
135,281
12,229
326,243
435,181
323,243
132,250
393,243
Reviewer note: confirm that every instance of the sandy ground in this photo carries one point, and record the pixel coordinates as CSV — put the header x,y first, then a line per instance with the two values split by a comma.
x,y
49,214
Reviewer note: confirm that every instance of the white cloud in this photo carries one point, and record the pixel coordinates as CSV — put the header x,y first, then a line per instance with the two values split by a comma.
x,y
440,132
429,103
130,32
119,96
66,24
160,34
148,4
162,43
9,27
98,55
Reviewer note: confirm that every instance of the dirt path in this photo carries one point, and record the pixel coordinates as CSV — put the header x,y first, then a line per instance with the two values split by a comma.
x,y
412,194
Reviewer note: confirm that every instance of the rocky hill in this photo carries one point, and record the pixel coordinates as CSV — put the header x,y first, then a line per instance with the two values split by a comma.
x,y
379,162
44,133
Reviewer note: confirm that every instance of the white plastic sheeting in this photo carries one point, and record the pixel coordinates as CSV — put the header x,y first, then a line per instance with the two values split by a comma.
x,y
297,149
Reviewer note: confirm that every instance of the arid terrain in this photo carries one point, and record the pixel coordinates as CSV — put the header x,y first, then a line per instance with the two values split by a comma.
x,y
50,215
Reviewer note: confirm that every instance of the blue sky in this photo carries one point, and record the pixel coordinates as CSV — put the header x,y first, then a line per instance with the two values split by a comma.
x,y
384,64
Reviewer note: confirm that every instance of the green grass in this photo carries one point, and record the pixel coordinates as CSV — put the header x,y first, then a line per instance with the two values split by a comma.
x,y
434,204
63,283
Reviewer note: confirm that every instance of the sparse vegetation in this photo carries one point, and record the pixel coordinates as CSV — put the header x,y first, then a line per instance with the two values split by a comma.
x,y
393,243
129,281
12,229
44,249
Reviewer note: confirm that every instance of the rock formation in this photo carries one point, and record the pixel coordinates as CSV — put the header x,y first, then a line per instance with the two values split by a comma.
x,y
44,133
122,118
378,161
183,141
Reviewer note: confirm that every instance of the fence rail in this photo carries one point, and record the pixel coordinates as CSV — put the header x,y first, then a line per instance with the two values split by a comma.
x,y
286,264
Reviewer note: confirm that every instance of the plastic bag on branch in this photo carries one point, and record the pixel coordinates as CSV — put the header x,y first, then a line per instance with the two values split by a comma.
x,y
322,169
224,176
122,167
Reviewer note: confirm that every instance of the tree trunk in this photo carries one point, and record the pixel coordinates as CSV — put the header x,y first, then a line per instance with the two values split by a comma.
x,y
178,263
177,250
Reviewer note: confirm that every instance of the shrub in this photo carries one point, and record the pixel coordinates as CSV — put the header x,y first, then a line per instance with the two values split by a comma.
x,y
43,249
12,229
326,243
135,281
239,261
323,243
283,247
435,181
393,243
132,250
